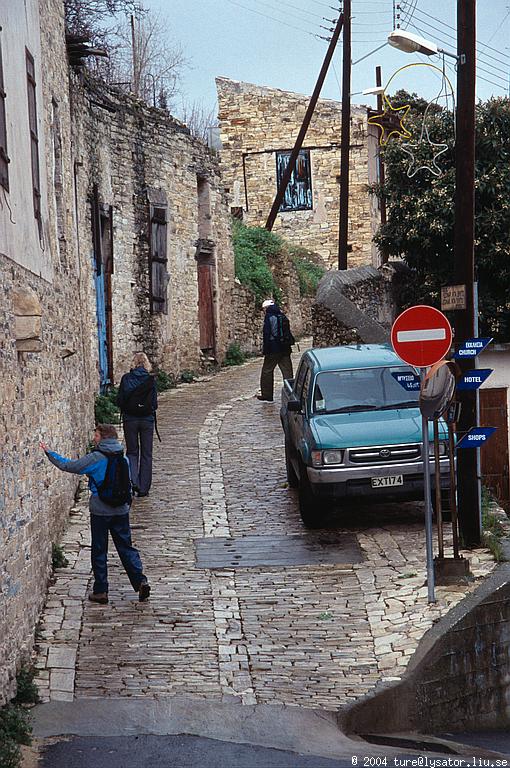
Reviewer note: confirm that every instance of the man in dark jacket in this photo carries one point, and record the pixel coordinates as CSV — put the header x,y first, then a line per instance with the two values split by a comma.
x,y
277,343
138,401
104,518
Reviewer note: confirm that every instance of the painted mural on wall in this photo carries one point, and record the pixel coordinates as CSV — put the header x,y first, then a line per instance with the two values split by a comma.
x,y
298,195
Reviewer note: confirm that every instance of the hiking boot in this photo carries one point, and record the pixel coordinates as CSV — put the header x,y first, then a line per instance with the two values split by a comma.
x,y
99,597
144,591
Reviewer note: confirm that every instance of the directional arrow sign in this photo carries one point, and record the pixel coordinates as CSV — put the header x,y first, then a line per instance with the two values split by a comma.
x,y
476,437
474,379
407,379
472,347
421,336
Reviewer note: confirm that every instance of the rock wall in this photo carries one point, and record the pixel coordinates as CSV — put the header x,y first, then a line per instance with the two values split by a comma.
x,y
137,155
459,677
256,123
45,368
356,305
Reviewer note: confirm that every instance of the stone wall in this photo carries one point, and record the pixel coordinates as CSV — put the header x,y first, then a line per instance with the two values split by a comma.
x,y
459,677
356,305
47,387
256,122
134,153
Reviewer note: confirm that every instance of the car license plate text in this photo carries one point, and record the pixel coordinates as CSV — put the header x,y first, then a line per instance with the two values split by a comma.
x,y
384,482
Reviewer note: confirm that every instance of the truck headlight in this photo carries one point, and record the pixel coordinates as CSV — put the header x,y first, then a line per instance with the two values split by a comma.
x,y
332,457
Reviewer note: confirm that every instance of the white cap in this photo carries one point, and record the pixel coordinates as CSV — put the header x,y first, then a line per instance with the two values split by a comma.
x,y
267,303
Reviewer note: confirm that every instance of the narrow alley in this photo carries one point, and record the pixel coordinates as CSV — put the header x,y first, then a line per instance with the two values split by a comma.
x,y
315,635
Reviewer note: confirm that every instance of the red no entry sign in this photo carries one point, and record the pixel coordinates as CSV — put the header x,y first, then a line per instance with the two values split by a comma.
x,y
421,336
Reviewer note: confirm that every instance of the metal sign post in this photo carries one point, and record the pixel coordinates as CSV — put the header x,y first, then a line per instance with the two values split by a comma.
x,y
428,503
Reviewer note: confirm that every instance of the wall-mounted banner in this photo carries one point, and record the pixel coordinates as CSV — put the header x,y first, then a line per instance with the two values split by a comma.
x,y
407,379
474,379
472,347
476,437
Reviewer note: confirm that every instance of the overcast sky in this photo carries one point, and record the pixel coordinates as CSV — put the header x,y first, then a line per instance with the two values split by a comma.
x,y
272,42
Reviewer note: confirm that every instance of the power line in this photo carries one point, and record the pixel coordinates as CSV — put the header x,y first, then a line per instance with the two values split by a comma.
x,y
481,55
495,33
295,7
490,72
272,18
454,30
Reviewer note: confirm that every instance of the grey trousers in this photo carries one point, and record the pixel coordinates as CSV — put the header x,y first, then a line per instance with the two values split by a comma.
x,y
139,435
284,363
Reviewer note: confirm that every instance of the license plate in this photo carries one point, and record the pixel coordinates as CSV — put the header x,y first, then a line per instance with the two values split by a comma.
x,y
384,482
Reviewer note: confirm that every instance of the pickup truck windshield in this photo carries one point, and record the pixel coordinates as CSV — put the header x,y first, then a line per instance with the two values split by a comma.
x,y
362,389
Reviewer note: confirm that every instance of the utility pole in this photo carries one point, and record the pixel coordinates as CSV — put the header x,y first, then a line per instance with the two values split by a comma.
x,y
136,73
304,127
464,234
343,245
380,161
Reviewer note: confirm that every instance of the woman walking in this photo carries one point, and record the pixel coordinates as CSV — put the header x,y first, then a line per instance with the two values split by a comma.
x,y
138,401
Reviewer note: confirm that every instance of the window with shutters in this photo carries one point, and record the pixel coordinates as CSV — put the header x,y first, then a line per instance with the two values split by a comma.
x,y
158,263
298,195
4,157
34,137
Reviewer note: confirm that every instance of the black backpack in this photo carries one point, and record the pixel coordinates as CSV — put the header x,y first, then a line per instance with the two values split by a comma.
x,y
115,490
285,336
139,401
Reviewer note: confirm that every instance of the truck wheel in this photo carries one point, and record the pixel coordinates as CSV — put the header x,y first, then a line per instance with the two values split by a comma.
x,y
310,515
292,478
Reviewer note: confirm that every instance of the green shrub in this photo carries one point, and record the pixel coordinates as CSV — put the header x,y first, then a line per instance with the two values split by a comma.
x,y
253,246
187,377
309,275
234,355
58,559
15,729
164,381
26,689
106,410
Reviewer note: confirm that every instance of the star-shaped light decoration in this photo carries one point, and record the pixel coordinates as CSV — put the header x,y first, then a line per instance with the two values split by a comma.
x,y
390,121
420,155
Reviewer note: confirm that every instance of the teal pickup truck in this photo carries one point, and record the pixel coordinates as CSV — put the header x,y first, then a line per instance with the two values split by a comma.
x,y
352,431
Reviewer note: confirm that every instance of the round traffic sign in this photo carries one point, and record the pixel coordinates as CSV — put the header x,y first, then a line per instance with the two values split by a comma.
x,y
421,336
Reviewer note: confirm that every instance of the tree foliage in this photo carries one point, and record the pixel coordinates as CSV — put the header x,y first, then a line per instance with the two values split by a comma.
x,y
420,222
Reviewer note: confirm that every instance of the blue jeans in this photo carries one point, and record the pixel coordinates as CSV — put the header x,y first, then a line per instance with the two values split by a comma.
x,y
118,526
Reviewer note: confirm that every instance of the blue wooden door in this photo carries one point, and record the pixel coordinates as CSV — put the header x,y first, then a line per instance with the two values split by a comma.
x,y
104,379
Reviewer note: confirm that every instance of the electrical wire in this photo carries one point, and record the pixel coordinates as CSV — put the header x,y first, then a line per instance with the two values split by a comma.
x,y
273,18
479,68
295,7
481,55
444,24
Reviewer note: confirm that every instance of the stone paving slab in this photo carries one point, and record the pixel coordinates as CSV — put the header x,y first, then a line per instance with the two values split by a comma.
x,y
314,635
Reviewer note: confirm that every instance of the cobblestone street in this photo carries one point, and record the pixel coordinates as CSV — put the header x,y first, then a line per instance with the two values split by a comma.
x,y
309,635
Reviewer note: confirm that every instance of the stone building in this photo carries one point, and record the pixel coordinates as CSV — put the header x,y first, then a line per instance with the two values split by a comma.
x,y
163,266
114,237
259,126
47,373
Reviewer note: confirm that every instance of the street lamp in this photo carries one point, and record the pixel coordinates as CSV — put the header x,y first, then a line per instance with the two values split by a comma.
x,y
410,43
468,464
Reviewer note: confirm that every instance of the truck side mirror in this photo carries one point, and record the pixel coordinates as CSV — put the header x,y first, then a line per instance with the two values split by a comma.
x,y
294,405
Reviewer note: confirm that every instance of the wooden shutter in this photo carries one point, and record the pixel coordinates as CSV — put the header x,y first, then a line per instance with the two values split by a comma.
x,y
159,277
205,306
34,137
4,157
